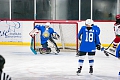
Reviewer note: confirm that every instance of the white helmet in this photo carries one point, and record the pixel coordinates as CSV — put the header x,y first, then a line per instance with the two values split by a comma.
x,y
47,24
89,22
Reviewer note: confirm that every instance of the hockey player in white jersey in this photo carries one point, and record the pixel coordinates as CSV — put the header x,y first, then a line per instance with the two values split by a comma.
x,y
117,33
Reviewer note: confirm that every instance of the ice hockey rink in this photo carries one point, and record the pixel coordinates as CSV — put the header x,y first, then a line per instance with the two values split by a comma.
x,y
22,64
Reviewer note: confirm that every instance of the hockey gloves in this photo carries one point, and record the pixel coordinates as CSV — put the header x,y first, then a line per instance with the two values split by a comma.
x,y
98,47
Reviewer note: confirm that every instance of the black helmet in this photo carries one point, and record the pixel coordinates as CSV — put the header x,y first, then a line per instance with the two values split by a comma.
x,y
2,62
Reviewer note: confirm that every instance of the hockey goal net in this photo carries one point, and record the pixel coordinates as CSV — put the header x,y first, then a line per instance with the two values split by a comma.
x,y
67,30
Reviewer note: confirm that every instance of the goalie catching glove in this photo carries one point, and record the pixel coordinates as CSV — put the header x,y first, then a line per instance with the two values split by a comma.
x,y
55,36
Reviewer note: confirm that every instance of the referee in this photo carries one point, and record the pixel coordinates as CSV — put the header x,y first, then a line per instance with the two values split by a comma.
x,y
3,76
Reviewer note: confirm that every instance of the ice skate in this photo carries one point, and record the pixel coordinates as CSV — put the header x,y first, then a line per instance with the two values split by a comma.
x,y
57,50
77,54
91,70
44,50
79,71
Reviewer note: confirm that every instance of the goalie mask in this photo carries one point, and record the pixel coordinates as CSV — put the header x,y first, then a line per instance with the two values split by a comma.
x,y
47,25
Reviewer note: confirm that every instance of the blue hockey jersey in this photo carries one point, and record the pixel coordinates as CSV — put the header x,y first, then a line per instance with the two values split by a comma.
x,y
45,34
118,51
90,39
97,29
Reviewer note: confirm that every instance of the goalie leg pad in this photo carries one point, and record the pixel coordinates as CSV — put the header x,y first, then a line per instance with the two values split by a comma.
x,y
53,45
58,50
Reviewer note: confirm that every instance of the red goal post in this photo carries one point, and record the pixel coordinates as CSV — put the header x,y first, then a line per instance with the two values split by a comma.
x,y
67,30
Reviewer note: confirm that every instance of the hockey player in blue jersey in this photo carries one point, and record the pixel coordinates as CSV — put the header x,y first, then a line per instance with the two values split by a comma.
x,y
89,37
118,56
97,29
97,32
118,51
47,34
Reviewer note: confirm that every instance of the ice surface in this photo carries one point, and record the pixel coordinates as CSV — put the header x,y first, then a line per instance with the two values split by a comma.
x,y
22,64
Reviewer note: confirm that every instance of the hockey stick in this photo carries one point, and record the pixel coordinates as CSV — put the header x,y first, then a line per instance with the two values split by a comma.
x,y
104,49
109,53
109,45
32,41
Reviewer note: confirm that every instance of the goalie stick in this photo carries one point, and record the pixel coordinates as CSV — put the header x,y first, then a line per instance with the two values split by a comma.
x,y
31,46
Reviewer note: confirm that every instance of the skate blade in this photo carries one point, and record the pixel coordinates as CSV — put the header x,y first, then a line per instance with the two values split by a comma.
x,y
78,74
56,54
91,73
77,56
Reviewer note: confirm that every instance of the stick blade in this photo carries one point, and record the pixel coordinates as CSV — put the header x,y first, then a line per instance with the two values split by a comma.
x,y
31,46
33,51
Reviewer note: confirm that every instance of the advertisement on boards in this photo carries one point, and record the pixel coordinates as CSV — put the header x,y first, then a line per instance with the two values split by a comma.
x,y
10,31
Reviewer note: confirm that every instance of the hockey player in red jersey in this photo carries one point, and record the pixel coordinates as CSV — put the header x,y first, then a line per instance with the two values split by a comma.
x,y
117,33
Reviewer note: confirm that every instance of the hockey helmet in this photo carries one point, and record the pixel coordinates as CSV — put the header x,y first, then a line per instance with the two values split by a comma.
x,y
89,22
47,24
117,16
2,61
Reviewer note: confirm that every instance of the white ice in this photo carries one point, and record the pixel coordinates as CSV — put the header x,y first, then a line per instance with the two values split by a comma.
x,y
22,64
